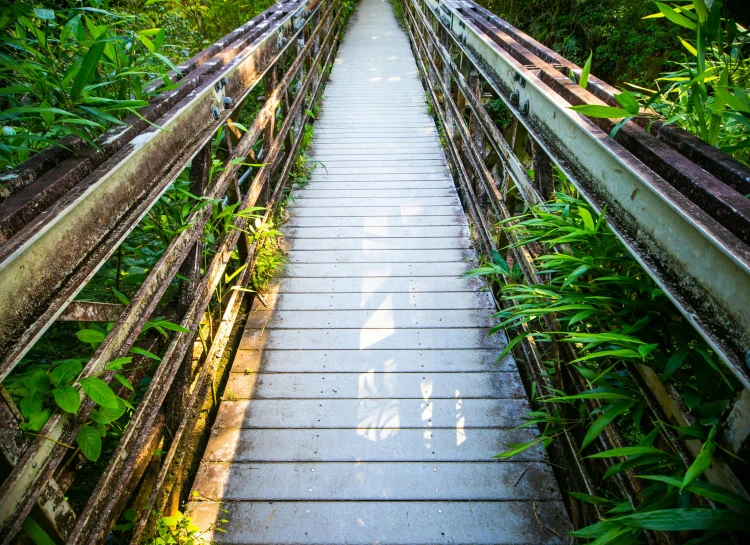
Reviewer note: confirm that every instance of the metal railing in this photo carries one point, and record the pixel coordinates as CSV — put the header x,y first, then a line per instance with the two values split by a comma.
x,y
67,210
677,204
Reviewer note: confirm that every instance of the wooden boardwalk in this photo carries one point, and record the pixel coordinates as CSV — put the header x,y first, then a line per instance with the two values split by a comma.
x,y
364,405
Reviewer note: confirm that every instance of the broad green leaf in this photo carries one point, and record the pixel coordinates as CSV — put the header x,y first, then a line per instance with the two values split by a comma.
x,y
67,398
671,520
674,363
93,336
626,451
588,219
628,101
98,418
99,391
37,421
66,372
572,277
594,110
675,17
87,70
702,461
90,443
584,79
707,490
626,353
731,100
44,14
31,405
114,414
701,10
597,427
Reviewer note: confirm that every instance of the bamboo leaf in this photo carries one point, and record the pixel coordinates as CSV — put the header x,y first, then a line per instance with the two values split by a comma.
x,y
594,110
597,427
671,520
702,461
88,69
626,451
675,17
584,79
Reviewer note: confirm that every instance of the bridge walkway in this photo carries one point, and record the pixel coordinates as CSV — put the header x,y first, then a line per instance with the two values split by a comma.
x,y
364,404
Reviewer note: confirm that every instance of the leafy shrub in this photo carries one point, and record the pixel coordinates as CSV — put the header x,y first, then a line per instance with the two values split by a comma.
x,y
612,313
72,71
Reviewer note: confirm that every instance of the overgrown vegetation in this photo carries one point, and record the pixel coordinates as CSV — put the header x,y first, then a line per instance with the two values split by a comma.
x,y
705,71
601,302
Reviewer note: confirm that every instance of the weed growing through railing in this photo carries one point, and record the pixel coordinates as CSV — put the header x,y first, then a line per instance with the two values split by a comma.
x,y
613,315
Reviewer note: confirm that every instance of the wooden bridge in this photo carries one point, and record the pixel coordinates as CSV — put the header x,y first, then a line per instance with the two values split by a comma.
x,y
364,401
364,405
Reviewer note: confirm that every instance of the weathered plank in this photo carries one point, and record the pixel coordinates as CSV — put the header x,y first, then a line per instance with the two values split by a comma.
x,y
370,413
382,444
372,385
362,361
403,481
405,523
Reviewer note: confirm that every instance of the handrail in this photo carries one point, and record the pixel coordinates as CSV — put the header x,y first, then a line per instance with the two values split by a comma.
x,y
66,229
460,50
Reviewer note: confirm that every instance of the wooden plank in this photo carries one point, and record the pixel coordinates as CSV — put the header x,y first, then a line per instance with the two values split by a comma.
x,y
373,339
373,222
358,445
369,414
382,301
403,481
376,231
381,256
380,285
376,243
405,523
375,212
371,385
363,361
372,319
355,202
313,191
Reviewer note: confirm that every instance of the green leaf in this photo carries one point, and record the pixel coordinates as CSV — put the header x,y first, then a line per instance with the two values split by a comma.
x,y
626,451
99,391
675,17
594,110
31,405
611,396
125,382
628,101
114,414
44,14
572,277
671,520
597,427
674,363
37,421
88,68
67,398
731,100
117,365
702,461
36,533
584,79
707,490
626,353
588,220
90,443
98,418
701,10
146,353
93,336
